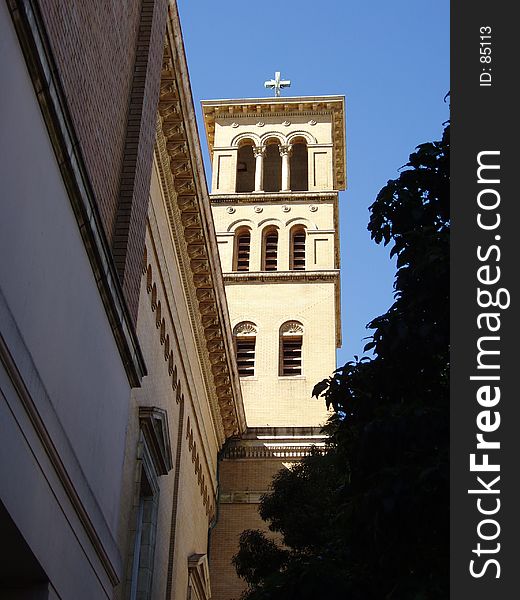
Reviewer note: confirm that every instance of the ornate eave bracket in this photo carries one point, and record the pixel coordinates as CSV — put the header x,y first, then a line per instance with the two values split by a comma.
x,y
181,171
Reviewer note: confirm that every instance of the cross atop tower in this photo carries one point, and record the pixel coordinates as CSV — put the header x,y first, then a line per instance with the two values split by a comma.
x,y
277,84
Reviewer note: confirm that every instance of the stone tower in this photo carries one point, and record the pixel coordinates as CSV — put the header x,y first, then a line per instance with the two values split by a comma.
x,y
278,166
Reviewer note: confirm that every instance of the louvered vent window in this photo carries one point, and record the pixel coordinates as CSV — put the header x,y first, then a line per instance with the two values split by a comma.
x,y
246,356
291,342
271,251
291,356
243,251
245,342
298,250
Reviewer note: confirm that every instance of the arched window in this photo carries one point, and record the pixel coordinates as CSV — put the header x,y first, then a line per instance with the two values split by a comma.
x,y
245,181
245,346
299,166
291,344
270,249
242,249
297,254
272,167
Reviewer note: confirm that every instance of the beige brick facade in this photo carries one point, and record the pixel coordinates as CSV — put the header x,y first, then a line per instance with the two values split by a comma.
x,y
241,483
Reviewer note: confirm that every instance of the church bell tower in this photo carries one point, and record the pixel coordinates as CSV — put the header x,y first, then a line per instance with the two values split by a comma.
x,y
278,165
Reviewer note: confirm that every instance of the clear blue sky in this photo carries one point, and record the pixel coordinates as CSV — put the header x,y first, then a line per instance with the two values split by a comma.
x,y
391,61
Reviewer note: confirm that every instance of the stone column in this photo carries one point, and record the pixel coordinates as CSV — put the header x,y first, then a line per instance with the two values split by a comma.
x,y
259,152
285,153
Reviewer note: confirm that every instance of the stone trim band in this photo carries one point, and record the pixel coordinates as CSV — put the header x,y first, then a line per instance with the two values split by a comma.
x,y
282,276
293,197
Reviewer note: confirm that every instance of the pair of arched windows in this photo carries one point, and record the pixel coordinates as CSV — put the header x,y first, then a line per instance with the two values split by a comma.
x,y
290,348
270,249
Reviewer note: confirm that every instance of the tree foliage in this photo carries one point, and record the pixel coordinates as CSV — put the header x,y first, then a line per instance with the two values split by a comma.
x,y
369,519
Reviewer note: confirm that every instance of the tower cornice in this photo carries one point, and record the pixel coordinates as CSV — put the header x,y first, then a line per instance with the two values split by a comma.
x,y
238,109
281,276
274,197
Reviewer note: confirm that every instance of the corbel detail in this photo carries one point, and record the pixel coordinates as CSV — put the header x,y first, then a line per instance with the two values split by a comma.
x,y
190,222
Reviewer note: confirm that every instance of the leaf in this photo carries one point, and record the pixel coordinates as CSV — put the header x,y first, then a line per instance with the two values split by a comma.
x,y
319,388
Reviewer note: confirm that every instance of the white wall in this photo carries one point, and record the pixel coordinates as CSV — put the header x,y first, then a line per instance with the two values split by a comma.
x,y
58,333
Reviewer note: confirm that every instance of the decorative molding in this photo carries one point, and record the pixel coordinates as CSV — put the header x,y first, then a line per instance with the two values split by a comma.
x,y
201,478
310,139
274,451
259,151
315,232
165,330
242,139
174,520
154,425
275,197
291,328
52,100
269,136
192,230
242,497
282,276
245,328
161,325
198,577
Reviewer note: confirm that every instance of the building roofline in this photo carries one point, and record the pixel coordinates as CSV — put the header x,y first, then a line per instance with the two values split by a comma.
x,y
273,100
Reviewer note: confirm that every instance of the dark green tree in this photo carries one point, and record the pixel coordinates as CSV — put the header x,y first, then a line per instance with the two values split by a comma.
x,y
369,519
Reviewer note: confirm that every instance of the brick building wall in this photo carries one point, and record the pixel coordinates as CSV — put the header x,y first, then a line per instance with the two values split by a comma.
x,y
242,481
94,46
108,57
129,229
246,470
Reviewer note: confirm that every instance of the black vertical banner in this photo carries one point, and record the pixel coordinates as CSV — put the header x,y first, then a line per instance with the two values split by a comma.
x,y
485,400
